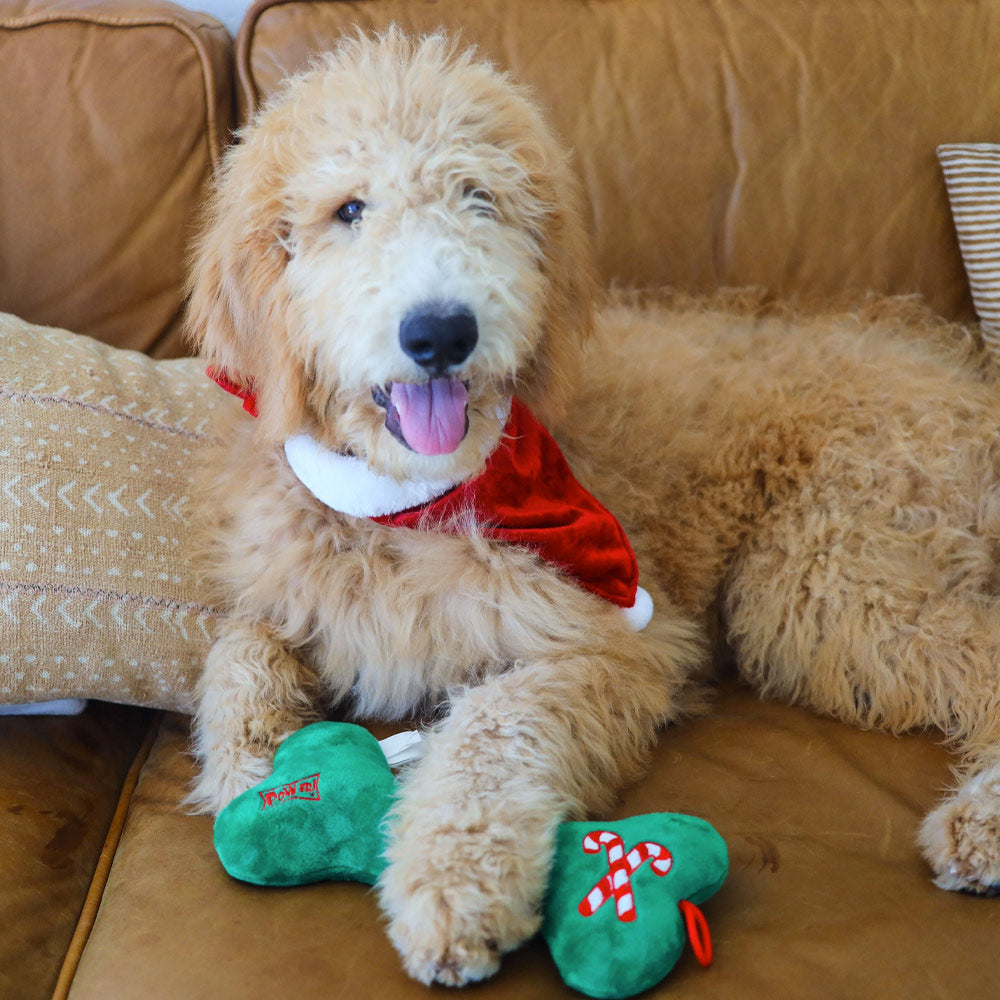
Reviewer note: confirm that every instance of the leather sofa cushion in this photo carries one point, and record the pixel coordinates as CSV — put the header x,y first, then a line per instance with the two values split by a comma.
x,y
827,895
745,142
113,115
60,782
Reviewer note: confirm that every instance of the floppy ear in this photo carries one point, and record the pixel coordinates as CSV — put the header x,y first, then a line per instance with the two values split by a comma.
x,y
236,308
568,267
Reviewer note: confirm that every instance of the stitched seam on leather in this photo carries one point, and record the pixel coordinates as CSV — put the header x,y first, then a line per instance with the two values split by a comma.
x,y
99,880
204,61
244,43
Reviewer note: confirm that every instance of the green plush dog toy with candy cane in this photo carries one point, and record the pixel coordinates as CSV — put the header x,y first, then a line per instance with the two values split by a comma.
x,y
622,897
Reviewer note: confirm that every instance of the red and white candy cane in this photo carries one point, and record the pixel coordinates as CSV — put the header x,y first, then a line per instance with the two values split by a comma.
x,y
617,883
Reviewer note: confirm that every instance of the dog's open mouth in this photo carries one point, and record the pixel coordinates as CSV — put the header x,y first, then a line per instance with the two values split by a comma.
x,y
430,418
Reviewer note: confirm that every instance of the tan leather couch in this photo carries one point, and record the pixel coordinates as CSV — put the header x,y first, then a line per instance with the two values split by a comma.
x,y
787,144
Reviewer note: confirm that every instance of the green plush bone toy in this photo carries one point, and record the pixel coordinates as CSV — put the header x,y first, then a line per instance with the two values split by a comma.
x,y
318,816
621,895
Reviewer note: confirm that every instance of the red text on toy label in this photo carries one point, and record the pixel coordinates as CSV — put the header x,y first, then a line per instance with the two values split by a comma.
x,y
622,864
301,788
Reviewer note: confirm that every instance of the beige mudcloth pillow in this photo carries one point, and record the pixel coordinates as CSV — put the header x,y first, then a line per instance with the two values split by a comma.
x,y
99,597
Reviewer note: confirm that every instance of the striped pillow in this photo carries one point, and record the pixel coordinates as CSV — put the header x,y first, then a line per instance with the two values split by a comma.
x,y
972,175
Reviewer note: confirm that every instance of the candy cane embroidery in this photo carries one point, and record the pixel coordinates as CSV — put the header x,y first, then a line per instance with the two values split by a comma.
x,y
617,883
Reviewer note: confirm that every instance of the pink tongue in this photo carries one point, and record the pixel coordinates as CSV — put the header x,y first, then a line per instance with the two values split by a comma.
x,y
431,414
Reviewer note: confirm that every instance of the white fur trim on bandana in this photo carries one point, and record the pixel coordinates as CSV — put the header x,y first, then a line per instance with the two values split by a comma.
x,y
346,484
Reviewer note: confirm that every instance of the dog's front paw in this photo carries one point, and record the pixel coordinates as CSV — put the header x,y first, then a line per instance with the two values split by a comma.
x,y
961,838
436,949
225,775
459,899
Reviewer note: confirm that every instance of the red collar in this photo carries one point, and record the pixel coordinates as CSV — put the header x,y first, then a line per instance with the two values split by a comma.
x,y
244,392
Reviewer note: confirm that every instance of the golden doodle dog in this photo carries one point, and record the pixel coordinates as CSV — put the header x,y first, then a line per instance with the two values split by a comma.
x,y
395,274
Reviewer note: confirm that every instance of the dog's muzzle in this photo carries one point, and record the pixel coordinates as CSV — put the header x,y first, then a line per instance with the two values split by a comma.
x,y
431,417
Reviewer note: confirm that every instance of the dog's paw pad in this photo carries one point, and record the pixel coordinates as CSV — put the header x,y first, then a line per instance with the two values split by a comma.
x,y
451,928
460,964
961,840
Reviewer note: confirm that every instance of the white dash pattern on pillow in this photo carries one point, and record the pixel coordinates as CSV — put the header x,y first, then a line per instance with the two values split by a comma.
x,y
972,176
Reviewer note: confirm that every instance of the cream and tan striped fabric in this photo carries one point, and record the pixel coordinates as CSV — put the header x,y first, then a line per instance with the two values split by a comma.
x,y
972,175
99,595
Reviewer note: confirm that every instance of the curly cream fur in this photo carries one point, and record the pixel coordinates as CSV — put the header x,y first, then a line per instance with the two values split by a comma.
x,y
826,486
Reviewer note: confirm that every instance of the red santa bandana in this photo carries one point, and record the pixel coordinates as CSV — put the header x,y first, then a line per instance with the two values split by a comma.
x,y
526,495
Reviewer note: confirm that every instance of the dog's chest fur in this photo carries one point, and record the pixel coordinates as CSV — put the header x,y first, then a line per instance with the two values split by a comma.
x,y
390,617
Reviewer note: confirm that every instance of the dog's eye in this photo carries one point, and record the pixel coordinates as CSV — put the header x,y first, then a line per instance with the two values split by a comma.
x,y
350,211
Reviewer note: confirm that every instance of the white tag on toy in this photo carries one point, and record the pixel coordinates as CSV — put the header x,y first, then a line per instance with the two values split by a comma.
x,y
402,748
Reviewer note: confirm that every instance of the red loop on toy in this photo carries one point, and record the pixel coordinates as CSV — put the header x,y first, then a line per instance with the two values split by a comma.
x,y
697,932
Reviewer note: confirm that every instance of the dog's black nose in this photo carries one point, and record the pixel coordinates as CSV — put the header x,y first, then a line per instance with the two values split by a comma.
x,y
437,337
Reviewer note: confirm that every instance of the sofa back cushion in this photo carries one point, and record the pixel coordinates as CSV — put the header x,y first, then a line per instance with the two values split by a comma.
x,y
775,143
112,118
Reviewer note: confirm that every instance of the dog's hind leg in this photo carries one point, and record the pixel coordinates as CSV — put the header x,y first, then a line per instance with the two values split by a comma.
x,y
252,695
893,629
471,838
961,837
